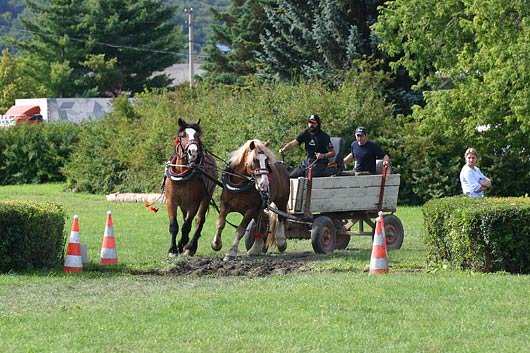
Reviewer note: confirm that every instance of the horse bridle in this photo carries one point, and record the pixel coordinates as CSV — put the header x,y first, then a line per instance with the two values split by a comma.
x,y
186,149
262,171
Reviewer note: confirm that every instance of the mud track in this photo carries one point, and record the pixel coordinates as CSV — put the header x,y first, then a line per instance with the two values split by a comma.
x,y
265,265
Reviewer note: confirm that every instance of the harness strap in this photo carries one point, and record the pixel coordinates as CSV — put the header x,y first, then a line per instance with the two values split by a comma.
x,y
207,175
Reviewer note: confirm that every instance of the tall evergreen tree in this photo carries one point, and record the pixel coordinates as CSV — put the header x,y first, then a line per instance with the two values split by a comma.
x,y
9,24
100,47
316,39
56,43
140,36
239,33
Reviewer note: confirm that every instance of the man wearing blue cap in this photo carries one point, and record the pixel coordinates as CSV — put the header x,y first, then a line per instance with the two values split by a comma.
x,y
365,154
318,147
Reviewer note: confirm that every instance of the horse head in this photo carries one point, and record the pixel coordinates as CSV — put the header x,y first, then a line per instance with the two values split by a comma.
x,y
189,140
253,159
257,165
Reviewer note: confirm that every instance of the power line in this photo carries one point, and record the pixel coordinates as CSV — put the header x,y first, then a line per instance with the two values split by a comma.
x,y
111,45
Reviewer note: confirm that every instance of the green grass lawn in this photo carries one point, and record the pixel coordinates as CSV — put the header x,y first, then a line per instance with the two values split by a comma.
x,y
335,308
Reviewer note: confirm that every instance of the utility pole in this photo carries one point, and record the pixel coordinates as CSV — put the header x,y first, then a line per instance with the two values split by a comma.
x,y
190,43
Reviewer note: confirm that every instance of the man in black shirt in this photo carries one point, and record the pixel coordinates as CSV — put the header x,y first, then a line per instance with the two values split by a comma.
x,y
317,145
365,153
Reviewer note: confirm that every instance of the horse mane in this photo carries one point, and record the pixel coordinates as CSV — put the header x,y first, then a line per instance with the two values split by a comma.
x,y
237,157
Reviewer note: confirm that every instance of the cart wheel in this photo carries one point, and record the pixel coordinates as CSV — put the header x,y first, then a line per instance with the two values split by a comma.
x,y
341,240
323,235
393,231
249,234
249,237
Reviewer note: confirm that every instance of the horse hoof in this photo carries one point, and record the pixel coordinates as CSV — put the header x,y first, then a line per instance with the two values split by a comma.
x,y
188,252
172,255
216,247
229,257
283,247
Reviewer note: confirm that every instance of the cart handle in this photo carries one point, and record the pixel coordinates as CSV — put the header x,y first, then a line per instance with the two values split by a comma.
x,y
309,187
382,191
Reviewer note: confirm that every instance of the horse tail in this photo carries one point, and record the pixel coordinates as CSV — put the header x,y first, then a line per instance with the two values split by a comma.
x,y
274,222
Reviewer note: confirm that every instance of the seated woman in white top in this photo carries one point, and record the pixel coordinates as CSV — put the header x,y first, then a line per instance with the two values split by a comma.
x,y
471,178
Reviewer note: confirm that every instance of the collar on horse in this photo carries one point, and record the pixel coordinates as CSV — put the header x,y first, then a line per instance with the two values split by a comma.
x,y
248,182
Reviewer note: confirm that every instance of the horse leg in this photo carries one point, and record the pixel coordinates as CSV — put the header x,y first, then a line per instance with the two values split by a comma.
x,y
200,218
280,236
277,228
173,230
220,223
185,231
232,253
173,224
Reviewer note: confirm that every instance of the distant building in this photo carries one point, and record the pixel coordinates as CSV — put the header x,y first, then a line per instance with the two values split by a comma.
x,y
179,73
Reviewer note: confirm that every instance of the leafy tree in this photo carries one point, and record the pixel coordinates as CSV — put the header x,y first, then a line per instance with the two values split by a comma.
x,y
126,151
482,49
16,81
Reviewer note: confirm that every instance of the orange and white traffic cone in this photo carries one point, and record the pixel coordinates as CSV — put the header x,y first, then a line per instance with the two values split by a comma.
x,y
379,261
108,246
73,261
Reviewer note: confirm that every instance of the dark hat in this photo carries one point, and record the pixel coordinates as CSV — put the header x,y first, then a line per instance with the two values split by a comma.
x,y
315,118
360,131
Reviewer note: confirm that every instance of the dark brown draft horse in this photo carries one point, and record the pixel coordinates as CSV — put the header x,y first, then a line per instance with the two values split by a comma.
x,y
254,179
188,187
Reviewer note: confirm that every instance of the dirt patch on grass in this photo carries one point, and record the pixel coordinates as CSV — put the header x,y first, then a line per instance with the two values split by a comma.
x,y
261,266
244,266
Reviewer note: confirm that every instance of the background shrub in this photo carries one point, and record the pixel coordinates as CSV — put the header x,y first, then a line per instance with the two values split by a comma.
x,y
487,234
36,153
127,150
31,235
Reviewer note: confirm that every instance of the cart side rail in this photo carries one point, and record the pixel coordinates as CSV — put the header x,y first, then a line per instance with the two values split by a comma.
x,y
345,193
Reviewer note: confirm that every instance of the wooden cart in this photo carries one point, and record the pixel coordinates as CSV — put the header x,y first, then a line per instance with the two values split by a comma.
x,y
330,210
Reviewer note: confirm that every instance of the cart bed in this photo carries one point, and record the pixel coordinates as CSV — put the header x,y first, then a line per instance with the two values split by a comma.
x,y
344,194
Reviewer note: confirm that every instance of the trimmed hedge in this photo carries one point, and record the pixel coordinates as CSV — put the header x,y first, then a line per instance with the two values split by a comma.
x,y
486,235
31,235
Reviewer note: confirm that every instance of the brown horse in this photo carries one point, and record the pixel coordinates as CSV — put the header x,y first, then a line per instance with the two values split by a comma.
x,y
253,179
187,186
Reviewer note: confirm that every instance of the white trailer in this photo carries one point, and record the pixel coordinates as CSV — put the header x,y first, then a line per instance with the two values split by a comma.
x,y
69,109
